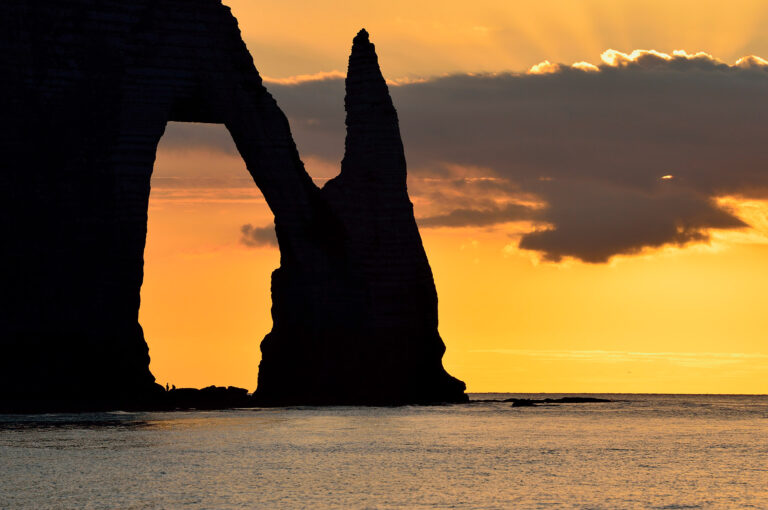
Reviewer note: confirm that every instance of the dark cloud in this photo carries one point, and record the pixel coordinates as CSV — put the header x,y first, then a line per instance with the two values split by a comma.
x,y
258,236
479,217
591,142
624,126
186,135
593,222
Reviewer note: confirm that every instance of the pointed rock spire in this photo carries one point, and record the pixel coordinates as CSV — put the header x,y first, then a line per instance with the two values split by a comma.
x,y
361,37
374,149
390,329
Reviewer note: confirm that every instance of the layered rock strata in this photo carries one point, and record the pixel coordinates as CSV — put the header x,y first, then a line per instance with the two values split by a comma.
x,y
88,87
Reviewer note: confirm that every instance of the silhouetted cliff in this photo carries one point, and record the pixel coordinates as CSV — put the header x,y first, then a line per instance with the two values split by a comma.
x,y
88,87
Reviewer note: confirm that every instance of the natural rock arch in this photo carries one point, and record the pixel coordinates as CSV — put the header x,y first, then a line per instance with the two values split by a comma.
x,y
91,87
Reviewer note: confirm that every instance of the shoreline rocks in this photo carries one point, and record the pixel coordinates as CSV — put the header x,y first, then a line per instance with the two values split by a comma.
x,y
526,402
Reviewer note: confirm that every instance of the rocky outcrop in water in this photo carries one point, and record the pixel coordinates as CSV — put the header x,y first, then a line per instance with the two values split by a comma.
x,y
529,402
365,329
88,87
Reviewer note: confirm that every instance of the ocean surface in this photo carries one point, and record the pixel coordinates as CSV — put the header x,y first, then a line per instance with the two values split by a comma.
x,y
641,451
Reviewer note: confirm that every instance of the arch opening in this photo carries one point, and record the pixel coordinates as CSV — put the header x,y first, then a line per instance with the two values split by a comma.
x,y
205,299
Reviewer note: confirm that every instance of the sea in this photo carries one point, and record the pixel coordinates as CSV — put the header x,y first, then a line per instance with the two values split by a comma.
x,y
638,451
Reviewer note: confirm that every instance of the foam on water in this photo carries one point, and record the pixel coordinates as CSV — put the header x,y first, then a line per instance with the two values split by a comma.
x,y
650,451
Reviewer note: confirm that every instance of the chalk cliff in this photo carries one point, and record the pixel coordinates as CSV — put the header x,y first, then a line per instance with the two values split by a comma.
x,y
88,87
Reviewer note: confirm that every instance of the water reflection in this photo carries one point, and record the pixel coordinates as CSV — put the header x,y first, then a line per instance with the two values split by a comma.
x,y
72,421
645,451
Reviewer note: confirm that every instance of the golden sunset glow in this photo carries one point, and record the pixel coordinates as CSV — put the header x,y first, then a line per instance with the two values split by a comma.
x,y
675,319
435,37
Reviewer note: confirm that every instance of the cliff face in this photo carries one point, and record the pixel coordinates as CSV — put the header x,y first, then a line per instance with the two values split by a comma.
x,y
88,87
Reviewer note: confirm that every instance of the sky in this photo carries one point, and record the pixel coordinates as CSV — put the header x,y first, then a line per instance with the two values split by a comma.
x,y
590,179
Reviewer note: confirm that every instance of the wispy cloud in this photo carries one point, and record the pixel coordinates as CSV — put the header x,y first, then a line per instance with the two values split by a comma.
x,y
690,359
207,195
303,78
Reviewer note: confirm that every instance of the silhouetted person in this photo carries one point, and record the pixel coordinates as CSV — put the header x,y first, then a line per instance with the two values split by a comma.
x,y
166,386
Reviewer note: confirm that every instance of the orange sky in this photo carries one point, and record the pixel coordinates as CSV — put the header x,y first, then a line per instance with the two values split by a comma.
x,y
432,37
672,320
